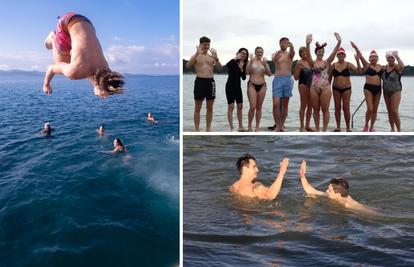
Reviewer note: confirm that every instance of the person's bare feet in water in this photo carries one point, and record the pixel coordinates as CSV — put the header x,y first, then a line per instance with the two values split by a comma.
x,y
49,40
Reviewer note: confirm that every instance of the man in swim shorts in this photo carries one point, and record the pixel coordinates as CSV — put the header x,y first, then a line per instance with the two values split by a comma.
x,y
248,172
282,83
337,190
78,55
204,86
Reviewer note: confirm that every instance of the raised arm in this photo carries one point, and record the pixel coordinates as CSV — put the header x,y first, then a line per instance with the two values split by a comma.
x,y
298,69
308,42
338,45
400,64
267,67
193,58
291,50
272,192
356,69
216,59
249,64
363,61
305,184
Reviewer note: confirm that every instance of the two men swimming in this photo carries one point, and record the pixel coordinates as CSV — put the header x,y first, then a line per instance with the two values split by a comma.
x,y
337,190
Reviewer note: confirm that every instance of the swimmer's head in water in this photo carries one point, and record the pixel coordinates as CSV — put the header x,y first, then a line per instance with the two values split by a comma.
x,y
244,161
47,125
338,186
102,128
108,82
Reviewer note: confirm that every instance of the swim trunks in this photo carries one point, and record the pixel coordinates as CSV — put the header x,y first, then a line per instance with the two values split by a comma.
x,y
282,86
63,42
204,88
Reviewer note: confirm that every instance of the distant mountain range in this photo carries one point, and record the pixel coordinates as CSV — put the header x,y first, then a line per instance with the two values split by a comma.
x,y
39,73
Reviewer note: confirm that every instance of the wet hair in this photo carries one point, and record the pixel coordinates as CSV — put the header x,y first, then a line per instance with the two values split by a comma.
x,y
244,161
109,81
301,49
318,46
340,186
120,143
259,47
246,59
283,39
205,40
103,127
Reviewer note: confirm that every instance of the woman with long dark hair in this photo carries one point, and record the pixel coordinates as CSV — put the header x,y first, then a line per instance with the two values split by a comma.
x,y
237,70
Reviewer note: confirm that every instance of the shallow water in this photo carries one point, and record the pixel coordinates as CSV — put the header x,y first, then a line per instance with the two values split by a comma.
x,y
295,230
62,203
221,124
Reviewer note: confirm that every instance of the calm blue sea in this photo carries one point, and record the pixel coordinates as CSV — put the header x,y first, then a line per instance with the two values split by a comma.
x,y
294,229
62,203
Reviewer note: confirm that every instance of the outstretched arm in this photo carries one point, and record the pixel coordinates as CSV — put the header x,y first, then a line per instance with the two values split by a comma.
x,y
193,58
59,68
309,57
332,56
309,189
216,59
272,192
400,65
291,50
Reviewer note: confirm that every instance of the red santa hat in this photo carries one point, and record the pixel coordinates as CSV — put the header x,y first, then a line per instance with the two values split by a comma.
x,y
373,53
341,50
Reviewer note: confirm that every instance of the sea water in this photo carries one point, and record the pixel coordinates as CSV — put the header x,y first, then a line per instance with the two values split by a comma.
x,y
63,203
221,229
221,124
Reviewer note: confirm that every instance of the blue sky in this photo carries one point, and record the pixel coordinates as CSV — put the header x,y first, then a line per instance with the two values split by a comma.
x,y
139,37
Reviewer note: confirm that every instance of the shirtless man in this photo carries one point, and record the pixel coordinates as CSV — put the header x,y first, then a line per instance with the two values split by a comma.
x,y
47,131
248,172
204,86
78,55
337,190
283,82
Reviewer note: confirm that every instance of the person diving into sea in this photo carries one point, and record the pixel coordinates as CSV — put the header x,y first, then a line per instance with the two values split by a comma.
x,y
78,55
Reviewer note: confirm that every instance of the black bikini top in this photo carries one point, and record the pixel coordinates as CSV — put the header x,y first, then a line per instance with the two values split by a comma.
x,y
371,72
345,72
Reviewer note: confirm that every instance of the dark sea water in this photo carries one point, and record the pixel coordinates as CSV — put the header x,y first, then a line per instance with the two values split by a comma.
x,y
297,230
62,203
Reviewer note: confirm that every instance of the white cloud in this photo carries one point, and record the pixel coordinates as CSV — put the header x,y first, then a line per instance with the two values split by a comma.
x,y
162,59
117,38
11,56
371,25
36,67
4,67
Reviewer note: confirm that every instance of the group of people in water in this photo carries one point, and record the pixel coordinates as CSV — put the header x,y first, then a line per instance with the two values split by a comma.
x,y
315,77
118,146
338,189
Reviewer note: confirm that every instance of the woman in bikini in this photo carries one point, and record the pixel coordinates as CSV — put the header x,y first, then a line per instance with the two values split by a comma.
x,y
341,87
256,87
237,70
392,88
303,73
372,87
320,91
